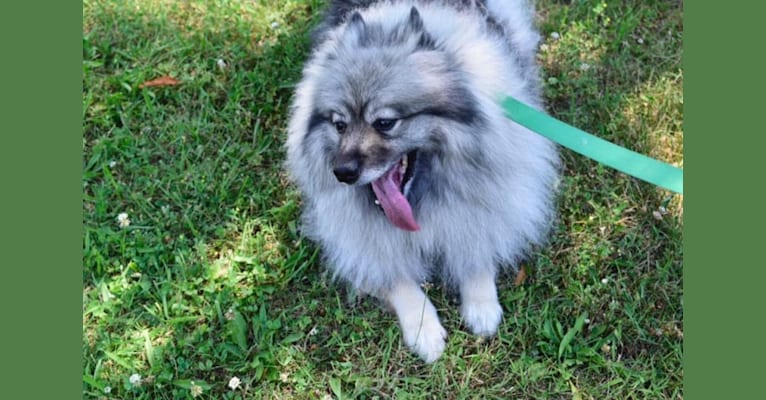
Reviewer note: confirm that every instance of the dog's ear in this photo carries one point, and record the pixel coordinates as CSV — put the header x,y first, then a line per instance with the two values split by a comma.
x,y
415,27
415,22
356,24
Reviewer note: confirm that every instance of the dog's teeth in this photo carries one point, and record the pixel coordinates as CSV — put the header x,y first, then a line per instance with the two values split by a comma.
x,y
377,202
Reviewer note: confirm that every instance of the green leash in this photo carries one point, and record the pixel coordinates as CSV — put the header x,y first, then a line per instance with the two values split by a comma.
x,y
607,153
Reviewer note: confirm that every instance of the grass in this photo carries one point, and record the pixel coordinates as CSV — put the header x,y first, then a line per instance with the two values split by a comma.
x,y
211,280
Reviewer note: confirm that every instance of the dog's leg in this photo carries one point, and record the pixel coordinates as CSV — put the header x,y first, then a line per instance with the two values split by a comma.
x,y
421,329
479,306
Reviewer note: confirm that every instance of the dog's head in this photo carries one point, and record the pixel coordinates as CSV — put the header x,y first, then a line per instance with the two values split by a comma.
x,y
385,95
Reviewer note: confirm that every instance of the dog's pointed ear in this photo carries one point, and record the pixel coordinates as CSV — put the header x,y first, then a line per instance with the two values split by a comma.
x,y
356,24
415,26
415,22
358,29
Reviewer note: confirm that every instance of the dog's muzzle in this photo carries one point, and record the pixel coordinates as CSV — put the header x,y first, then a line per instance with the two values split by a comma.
x,y
347,168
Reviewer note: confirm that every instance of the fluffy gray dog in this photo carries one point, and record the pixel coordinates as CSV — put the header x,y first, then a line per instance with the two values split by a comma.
x,y
408,168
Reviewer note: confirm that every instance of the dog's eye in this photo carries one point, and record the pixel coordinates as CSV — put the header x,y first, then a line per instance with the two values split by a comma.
x,y
384,125
340,126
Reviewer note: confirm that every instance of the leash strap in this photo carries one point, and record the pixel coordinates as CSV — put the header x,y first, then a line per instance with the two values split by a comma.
x,y
607,153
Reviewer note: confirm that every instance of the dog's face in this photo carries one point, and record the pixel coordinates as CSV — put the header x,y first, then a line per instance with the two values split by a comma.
x,y
387,95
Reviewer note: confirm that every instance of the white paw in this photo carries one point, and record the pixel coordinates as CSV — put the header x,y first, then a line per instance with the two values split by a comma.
x,y
424,335
421,330
482,317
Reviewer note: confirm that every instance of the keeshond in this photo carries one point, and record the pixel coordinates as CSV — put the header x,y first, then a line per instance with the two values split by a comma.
x,y
409,170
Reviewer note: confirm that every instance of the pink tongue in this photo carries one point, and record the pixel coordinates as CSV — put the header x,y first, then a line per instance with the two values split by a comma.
x,y
395,205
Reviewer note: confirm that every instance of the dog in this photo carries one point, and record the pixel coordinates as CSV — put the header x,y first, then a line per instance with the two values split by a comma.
x,y
407,167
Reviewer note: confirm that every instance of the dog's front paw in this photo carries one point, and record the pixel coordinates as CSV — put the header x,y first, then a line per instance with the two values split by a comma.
x,y
424,336
482,317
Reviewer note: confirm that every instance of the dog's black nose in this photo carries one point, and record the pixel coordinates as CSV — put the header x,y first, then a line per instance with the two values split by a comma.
x,y
348,171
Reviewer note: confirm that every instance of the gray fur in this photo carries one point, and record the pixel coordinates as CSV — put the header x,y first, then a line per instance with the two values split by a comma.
x,y
483,186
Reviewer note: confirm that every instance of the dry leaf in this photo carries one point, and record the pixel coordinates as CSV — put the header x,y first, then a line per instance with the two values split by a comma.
x,y
161,81
521,276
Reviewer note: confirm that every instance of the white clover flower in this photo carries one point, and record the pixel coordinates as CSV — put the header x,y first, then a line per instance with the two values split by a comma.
x,y
107,389
221,63
284,377
584,66
555,36
605,281
112,164
234,383
123,220
195,390
274,25
135,379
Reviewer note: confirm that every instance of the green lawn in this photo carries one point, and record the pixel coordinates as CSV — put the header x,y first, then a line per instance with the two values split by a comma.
x,y
208,280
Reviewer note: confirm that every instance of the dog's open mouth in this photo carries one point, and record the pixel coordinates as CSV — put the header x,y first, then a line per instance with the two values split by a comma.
x,y
390,188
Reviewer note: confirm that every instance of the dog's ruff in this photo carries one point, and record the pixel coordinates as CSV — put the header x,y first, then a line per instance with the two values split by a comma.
x,y
399,102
